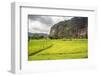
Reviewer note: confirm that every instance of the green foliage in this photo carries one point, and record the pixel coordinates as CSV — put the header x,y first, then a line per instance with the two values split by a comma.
x,y
61,49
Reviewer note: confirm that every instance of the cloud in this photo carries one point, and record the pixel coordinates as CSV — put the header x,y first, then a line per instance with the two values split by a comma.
x,y
43,19
38,27
42,24
40,30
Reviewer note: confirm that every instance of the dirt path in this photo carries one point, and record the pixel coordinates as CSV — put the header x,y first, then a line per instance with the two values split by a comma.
x,y
40,50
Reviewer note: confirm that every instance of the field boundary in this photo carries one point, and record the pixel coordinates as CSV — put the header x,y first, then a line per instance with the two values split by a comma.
x,y
40,50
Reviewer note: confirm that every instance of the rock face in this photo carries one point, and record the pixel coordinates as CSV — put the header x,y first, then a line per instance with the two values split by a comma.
x,y
73,28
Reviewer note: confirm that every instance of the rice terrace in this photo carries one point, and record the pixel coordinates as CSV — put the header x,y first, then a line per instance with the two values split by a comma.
x,y
57,37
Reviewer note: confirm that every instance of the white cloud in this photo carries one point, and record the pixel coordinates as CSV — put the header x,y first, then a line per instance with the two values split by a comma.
x,y
38,27
42,24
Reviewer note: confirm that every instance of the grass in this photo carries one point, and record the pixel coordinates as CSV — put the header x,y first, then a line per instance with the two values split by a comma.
x,y
57,49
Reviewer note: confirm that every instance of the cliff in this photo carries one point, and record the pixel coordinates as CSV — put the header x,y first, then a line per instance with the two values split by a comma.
x,y
73,28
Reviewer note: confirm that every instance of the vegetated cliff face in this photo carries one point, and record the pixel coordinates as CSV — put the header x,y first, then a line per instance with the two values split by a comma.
x,y
73,28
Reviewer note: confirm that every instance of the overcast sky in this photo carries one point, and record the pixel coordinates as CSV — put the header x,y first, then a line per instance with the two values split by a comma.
x,y
42,24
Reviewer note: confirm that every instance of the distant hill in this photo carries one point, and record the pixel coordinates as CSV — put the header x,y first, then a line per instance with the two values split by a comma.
x,y
73,28
37,35
30,34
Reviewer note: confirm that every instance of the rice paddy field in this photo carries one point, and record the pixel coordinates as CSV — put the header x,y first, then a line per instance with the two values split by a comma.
x,y
54,49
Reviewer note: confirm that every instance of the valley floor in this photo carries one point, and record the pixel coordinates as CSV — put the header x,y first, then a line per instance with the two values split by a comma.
x,y
53,49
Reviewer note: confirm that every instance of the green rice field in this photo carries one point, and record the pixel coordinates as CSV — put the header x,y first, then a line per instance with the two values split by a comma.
x,y
54,49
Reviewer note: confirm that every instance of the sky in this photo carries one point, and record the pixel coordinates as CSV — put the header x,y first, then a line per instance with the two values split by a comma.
x,y
42,24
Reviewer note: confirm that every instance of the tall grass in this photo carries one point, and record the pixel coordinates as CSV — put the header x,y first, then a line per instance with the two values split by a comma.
x,y
61,49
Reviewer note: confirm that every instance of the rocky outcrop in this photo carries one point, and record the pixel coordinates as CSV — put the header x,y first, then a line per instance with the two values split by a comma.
x,y
73,28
